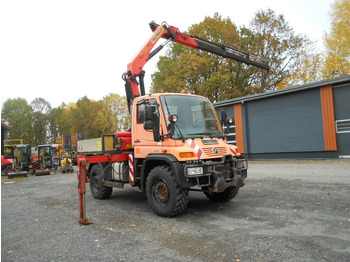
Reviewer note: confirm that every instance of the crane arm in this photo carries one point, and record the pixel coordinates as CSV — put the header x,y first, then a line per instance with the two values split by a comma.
x,y
214,48
171,33
135,66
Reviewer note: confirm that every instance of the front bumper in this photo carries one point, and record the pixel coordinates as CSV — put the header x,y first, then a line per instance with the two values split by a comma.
x,y
218,174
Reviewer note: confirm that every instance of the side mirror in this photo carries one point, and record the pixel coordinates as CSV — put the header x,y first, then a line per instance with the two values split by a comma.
x,y
224,118
149,112
171,127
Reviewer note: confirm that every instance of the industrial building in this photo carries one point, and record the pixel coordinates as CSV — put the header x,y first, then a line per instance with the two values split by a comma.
x,y
300,122
4,135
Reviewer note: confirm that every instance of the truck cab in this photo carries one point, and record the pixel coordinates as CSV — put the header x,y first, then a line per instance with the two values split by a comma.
x,y
180,136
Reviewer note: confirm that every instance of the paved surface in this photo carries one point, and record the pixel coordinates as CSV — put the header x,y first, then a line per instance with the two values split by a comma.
x,y
288,211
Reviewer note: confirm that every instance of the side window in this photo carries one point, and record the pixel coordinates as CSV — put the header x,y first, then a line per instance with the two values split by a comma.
x,y
141,113
141,110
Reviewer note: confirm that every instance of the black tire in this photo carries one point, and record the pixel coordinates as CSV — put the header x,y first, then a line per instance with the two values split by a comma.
x,y
166,198
225,196
98,190
7,170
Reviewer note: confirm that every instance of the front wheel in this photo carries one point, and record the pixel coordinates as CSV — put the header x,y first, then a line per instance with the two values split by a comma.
x,y
7,170
165,197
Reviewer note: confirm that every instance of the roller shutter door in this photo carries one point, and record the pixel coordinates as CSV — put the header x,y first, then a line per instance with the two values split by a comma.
x,y
285,123
341,96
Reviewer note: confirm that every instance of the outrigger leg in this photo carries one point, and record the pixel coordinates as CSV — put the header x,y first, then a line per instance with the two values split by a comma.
x,y
82,190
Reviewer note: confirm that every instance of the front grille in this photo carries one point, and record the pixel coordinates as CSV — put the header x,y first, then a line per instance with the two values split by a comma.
x,y
209,152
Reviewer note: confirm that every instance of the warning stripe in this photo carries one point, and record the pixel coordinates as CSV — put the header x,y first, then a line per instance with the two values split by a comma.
x,y
131,168
232,149
196,148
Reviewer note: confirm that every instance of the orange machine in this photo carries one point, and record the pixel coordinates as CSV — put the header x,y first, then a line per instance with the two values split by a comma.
x,y
8,155
176,144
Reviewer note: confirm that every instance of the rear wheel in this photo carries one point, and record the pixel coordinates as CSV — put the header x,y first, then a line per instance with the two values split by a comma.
x,y
225,196
98,190
165,197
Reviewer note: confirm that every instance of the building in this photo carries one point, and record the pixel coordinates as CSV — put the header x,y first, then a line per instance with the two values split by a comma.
x,y
308,121
4,135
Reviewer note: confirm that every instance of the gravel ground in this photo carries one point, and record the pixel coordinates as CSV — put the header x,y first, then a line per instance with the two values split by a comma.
x,y
287,211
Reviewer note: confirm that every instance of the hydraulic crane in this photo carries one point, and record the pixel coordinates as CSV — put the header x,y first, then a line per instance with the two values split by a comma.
x,y
134,88
176,141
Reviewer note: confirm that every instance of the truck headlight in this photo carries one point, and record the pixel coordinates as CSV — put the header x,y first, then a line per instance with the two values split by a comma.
x,y
194,171
242,164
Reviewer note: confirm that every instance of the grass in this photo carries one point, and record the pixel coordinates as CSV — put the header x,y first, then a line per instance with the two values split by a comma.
x,y
16,179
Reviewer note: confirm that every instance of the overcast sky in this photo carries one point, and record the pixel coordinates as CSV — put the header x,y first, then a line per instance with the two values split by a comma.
x,y
64,50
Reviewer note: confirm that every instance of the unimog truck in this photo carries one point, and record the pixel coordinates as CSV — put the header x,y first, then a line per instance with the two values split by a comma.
x,y
176,143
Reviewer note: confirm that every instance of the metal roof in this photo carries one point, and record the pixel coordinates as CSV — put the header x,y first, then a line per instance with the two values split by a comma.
x,y
333,81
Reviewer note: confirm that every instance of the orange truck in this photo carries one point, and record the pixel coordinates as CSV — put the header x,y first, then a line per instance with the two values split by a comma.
x,y
176,143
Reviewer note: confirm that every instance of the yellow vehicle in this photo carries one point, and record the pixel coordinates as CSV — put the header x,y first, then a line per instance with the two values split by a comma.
x,y
45,160
66,163
22,161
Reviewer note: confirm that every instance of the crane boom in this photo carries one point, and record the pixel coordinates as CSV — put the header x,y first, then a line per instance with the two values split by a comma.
x,y
171,33
211,47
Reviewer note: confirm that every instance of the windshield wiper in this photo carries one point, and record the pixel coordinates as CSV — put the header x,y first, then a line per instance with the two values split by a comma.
x,y
179,131
202,134
211,135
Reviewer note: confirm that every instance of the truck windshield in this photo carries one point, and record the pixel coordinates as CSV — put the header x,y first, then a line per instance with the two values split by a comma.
x,y
196,116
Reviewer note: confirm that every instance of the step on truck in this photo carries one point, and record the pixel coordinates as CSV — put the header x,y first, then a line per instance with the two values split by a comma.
x,y
176,143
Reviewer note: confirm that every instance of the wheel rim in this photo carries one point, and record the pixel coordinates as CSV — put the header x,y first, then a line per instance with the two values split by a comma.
x,y
96,183
160,191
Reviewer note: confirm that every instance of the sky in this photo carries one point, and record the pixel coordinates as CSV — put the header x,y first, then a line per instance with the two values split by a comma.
x,y
64,50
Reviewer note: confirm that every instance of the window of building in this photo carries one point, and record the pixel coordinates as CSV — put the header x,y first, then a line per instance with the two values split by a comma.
x,y
343,126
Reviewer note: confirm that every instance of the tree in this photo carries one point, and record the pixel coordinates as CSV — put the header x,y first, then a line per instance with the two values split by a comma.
x,y
269,37
17,113
309,70
53,123
337,42
62,119
39,123
41,110
196,71
84,115
114,115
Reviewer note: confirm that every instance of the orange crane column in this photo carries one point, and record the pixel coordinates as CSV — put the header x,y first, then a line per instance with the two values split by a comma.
x,y
329,133
239,127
